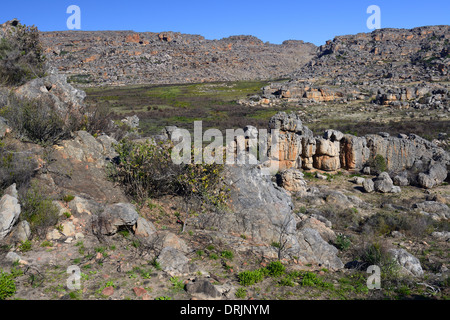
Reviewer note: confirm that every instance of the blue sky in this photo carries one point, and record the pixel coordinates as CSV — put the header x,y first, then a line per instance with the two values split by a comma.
x,y
273,21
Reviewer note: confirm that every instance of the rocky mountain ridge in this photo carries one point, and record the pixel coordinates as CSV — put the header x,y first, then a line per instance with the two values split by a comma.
x,y
127,57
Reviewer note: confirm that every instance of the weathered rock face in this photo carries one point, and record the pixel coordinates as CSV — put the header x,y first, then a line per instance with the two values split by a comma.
x,y
298,148
66,100
263,212
407,261
354,152
173,261
9,211
416,54
78,168
126,57
292,180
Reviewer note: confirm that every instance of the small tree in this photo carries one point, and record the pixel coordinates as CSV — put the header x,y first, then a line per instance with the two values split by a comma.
x,y
378,164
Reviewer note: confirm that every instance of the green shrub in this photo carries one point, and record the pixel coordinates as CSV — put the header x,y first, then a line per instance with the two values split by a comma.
x,y
310,279
287,282
378,164
342,242
46,243
376,253
227,255
39,211
21,55
177,284
146,170
68,198
7,285
25,246
248,278
276,269
241,293
213,256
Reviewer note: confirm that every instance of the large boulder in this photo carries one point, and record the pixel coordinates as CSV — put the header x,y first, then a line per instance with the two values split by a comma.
x,y
114,217
314,249
9,211
263,212
203,288
383,183
436,174
173,261
407,261
66,100
292,180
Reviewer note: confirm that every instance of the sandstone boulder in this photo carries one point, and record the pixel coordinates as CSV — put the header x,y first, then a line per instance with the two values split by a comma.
x,y
9,211
292,180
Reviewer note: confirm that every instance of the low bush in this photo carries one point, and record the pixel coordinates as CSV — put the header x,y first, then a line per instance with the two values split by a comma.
x,y
146,170
39,211
99,118
21,55
410,223
248,278
7,285
241,293
377,164
310,279
342,242
376,253
276,269
15,166
38,121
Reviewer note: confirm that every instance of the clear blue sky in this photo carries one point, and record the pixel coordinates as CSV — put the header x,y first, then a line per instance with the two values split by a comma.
x,y
273,21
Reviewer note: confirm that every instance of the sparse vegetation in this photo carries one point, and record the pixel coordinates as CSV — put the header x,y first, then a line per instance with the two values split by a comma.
x,y
39,211
21,55
38,121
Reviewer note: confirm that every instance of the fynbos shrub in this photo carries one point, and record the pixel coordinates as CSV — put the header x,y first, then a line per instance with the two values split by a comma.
x,y
39,211
21,55
15,166
37,121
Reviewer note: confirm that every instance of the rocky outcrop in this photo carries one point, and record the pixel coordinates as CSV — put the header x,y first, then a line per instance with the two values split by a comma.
x,y
292,180
425,163
78,168
412,54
